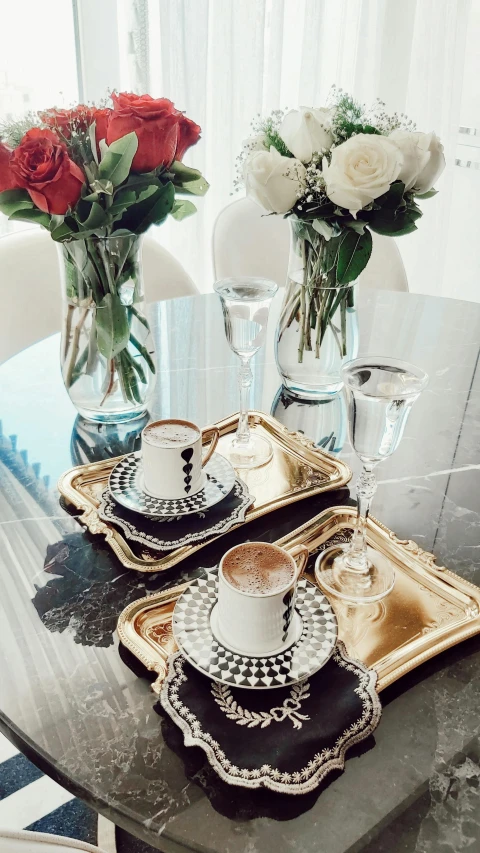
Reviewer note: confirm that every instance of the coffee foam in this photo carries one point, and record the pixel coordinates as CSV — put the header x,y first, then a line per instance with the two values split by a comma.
x,y
171,434
257,568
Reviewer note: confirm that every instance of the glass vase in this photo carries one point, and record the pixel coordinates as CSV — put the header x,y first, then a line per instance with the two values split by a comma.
x,y
107,353
317,331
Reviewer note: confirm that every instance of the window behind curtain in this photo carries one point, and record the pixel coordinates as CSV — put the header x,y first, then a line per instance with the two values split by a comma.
x,y
38,66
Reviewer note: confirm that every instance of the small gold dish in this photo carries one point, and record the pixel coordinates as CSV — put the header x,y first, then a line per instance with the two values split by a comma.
x,y
298,470
428,610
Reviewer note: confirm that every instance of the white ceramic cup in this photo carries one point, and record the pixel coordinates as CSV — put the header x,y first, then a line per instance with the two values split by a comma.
x,y
175,470
258,624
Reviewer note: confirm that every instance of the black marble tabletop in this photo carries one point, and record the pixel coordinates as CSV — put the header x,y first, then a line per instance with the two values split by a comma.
x,y
81,707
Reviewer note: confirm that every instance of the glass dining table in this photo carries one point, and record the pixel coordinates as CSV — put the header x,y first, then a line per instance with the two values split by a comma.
x,y
80,706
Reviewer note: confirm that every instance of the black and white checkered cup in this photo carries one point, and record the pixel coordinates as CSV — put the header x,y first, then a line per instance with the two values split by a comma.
x,y
172,458
259,623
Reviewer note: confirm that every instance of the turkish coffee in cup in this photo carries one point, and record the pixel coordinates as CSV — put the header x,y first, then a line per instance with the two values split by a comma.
x,y
257,584
172,458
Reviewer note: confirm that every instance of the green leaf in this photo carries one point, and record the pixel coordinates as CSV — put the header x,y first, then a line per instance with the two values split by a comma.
x,y
112,326
100,185
136,182
117,160
428,194
125,198
61,231
393,198
315,211
199,187
183,174
151,211
356,225
181,209
395,223
129,195
13,200
413,211
330,255
33,215
103,147
96,218
395,228
187,180
353,255
93,141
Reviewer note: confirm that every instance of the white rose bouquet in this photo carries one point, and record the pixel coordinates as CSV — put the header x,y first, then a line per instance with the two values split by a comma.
x,y
338,173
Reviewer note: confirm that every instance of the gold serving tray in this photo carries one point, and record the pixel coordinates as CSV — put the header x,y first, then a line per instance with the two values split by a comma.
x,y
428,610
298,470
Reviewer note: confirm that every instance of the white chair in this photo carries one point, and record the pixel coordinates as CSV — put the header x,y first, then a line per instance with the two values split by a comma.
x,y
248,242
30,286
22,841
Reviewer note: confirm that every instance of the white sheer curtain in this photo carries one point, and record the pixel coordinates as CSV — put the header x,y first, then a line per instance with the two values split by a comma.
x,y
224,61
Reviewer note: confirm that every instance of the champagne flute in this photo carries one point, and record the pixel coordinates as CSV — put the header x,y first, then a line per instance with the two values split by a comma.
x,y
380,394
245,304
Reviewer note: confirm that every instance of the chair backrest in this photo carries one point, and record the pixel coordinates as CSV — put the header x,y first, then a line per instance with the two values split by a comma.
x,y
22,841
248,242
164,276
30,286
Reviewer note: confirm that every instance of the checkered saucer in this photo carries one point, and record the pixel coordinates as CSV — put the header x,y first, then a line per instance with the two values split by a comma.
x,y
126,488
193,634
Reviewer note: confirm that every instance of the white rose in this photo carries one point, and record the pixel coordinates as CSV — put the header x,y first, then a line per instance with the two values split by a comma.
x,y
423,159
435,166
361,170
415,155
273,181
306,131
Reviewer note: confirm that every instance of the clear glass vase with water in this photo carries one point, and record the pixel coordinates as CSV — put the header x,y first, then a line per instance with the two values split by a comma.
x,y
317,331
107,353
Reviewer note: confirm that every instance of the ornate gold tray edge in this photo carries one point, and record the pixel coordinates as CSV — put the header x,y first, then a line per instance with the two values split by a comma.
x,y
417,564
335,474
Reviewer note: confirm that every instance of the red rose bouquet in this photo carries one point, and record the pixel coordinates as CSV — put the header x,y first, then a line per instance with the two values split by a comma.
x,y
96,179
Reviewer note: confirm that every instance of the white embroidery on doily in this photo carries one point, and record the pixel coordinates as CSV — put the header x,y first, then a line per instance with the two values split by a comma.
x,y
107,512
299,782
290,709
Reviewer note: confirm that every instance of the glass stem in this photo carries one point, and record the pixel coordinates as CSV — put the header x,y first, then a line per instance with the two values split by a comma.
x,y
245,377
356,557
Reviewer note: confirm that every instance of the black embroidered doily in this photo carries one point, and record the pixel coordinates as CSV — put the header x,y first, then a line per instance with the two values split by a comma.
x,y
286,740
166,534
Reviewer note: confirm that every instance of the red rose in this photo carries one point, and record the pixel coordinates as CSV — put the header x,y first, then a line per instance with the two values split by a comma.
x,y
7,178
101,117
162,131
65,121
188,135
78,119
42,166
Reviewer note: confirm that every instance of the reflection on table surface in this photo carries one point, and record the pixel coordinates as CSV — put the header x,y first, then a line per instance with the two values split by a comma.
x,y
89,718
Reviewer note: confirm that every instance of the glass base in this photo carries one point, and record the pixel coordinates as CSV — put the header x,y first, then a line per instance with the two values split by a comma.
x,y
97,416
252,454
336,578
312,392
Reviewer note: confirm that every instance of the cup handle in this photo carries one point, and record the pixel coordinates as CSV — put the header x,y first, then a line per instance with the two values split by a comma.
x,y
302,552
215,435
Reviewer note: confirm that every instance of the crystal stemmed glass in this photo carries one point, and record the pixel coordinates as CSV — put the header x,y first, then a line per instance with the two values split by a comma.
x,y
380,394
245,304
